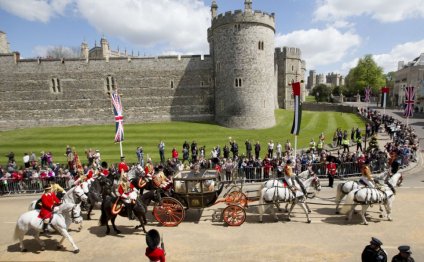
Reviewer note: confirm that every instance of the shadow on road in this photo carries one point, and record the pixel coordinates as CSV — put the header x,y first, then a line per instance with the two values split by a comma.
x,y
33,247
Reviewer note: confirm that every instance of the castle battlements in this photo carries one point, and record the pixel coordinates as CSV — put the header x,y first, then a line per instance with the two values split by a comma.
x,y
238,16
289,52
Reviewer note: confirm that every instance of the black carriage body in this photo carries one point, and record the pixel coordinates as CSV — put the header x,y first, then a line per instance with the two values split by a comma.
x,y
197,190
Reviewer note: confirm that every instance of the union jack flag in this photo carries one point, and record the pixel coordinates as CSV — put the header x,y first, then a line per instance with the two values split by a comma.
x,y
409,101
367,94
119,119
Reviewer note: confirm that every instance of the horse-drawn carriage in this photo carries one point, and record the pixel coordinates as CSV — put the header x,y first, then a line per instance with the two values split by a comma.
x,y
198,190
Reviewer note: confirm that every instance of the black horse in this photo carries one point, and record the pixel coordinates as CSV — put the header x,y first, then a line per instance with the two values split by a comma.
x,y
108,204
99,189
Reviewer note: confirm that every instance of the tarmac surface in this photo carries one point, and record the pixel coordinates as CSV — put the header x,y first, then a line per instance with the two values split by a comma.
x,y
328,238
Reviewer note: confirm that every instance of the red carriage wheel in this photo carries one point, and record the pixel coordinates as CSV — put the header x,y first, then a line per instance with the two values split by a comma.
x,y
234,215
169,212
236,197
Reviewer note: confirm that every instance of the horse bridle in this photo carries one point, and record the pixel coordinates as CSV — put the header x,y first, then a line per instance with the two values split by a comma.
x,y
73,215
79,195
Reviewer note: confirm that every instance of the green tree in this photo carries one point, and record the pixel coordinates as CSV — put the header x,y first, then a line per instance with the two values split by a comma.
x,y
322,92
366,73
338,90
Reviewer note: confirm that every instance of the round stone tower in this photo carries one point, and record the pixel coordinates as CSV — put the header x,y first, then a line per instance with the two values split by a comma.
x,y
242,47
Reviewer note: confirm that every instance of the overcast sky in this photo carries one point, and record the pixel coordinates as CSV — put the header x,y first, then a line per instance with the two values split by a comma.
x,y
332,34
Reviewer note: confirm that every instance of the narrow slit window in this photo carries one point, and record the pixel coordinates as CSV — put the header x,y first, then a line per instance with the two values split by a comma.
x,y
172,84
55,87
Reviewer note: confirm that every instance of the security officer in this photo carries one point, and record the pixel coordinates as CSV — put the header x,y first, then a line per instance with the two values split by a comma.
x,y
373,252
404,255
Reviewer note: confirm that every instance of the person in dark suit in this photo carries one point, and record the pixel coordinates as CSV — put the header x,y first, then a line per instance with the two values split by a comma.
x,y
373,252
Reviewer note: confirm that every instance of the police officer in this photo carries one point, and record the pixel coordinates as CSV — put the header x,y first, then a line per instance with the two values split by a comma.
x,y
373,252
404,255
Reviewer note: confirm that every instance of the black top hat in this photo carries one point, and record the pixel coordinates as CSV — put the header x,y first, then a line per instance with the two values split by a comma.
x,y
122,157
376,241
47,187
152,238
104,164
405,249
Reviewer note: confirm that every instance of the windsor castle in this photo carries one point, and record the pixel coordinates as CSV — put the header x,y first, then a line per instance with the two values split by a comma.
x,y
239,84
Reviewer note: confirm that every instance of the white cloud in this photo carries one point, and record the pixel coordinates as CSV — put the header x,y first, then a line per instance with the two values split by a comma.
x,y
179,25
35,10
389,61
320,47
381,10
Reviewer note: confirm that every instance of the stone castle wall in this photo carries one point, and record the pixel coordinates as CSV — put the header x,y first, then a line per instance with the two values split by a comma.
x,y
153,89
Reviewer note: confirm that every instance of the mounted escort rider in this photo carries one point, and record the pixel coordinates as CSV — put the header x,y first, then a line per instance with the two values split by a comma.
x,y
289,177
49,203
124,190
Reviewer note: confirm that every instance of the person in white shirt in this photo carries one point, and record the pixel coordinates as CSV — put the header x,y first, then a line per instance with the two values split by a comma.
x,y
270,149
26,160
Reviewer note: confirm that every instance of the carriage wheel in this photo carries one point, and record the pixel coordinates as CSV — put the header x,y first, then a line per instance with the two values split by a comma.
x,y
236,197
169,212
234,215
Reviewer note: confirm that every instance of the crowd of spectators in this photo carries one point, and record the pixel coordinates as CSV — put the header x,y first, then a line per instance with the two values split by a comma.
x,y
231,161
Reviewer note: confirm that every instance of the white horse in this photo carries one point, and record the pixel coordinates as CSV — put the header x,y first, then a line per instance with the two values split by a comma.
x,y
273,192
66,214
344,188
368,196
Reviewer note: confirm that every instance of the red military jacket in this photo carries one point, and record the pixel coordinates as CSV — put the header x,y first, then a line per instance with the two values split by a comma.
x,y
90,174
48,201
123,166
156,254
105,172
121,190
332,168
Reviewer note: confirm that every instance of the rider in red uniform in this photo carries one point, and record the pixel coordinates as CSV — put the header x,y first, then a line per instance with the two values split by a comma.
x,y
48,203
104,169
154,251
124,189
123,166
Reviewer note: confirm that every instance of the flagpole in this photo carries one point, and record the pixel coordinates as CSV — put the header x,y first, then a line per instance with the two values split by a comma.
x,y
295,147
120,147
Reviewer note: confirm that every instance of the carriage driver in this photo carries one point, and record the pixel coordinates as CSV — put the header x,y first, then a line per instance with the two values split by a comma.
x,y
366,178
124,189
49,203
288,175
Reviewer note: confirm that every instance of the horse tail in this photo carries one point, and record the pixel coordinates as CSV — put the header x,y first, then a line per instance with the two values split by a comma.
x,y
18,234
339,192
350,200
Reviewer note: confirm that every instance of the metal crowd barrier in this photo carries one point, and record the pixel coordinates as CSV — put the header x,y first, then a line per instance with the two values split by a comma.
x,y
258,174
29,185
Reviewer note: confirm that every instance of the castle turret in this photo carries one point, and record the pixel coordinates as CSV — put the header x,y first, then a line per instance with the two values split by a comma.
x,y
291,68
214,9
84,50
248,6
4,45
105,48
242,45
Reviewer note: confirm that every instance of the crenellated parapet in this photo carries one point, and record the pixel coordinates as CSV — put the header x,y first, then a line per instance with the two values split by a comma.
x,y
238,16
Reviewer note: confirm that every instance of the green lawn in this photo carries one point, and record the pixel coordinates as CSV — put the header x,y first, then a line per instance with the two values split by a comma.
x,y
100,137
310,99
